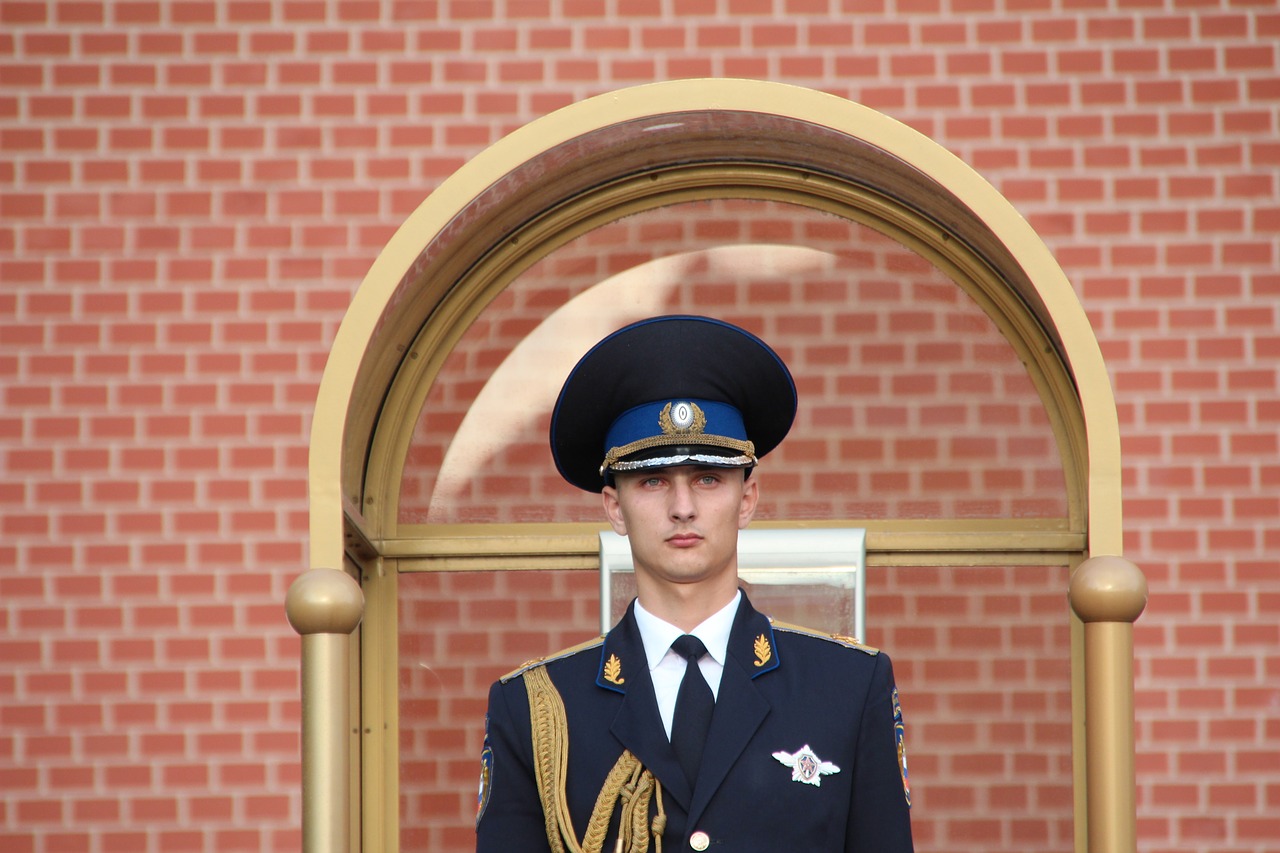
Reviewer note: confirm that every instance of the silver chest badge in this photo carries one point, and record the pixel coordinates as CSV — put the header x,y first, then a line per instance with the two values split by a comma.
x,y
805,766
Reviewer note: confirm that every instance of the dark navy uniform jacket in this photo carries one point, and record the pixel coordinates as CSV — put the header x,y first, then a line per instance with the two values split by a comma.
x,y
783,689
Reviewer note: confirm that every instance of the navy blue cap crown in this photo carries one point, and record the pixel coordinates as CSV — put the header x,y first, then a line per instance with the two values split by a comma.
x,y
674,390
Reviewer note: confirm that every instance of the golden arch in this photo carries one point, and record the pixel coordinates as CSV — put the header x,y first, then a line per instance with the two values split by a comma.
x,y
664,143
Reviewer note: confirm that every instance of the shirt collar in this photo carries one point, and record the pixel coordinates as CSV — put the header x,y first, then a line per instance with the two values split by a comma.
x,y
658,635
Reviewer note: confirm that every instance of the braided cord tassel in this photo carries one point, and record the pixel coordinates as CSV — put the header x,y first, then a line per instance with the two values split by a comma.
x,y
551,758
598,828
629,784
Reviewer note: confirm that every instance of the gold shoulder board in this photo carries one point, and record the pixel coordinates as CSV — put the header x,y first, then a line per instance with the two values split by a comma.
x,y
841,639
563,653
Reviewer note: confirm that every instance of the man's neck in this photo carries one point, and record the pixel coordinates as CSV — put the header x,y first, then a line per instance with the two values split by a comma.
x,y
685,605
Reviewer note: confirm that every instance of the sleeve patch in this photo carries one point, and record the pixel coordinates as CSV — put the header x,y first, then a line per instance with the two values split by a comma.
x,y
900,734
486,775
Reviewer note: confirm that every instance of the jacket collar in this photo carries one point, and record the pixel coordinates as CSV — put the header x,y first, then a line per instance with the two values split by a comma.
x,y
622,656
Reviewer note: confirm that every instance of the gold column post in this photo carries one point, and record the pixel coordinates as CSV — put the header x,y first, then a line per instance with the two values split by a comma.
x,y
1108,594
325,606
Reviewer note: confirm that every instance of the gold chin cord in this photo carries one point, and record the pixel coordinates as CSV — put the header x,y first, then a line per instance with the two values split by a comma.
x,y
629,785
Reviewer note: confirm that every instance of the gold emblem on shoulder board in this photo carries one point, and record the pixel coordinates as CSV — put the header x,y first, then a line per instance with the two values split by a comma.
x,y
613,670
764,652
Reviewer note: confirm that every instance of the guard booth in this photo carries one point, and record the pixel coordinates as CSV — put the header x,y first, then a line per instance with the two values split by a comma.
x,y
954,410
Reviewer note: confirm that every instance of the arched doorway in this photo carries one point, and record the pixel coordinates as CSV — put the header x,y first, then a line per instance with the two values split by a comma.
x,y
954,404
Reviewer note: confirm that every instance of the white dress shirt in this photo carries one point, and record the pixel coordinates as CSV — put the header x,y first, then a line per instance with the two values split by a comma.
x,y
666,667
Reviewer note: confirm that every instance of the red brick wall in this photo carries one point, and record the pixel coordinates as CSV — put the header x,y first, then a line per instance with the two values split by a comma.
x,y
189,192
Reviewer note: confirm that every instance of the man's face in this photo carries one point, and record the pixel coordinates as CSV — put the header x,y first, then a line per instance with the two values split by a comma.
x,y
682,522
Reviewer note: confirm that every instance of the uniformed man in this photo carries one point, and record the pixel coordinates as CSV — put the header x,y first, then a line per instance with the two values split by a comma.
x,y
697,723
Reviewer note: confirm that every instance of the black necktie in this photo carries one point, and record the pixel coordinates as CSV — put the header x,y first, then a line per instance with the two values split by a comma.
x,y
694,704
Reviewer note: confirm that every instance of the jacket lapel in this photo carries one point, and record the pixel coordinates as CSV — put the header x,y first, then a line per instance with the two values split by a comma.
x,y
638,725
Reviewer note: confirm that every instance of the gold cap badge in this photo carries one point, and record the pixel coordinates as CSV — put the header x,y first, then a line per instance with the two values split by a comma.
x,y
682,417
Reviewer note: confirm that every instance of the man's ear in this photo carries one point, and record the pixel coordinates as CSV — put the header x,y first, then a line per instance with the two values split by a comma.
x,y
750,497
613,510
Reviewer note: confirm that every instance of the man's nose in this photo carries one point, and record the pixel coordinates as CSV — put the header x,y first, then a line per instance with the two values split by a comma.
x,y
682,504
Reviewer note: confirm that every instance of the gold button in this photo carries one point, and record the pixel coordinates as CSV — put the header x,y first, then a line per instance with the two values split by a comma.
x,y
699,841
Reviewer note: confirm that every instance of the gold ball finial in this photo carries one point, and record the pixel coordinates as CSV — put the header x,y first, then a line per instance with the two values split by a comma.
x,y
1108,589
324,601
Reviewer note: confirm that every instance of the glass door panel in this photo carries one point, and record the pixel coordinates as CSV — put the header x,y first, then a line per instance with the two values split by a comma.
x,y
913,405
459,632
